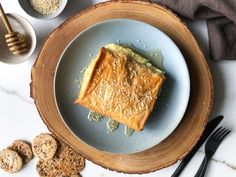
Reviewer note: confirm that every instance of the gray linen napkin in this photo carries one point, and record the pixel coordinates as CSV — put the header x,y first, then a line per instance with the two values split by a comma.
x,y
221,22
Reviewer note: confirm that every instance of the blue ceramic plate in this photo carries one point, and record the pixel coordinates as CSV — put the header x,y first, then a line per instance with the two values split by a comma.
x,y
169,108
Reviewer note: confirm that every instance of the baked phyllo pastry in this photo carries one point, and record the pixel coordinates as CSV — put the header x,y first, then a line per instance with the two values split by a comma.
x,y
122,85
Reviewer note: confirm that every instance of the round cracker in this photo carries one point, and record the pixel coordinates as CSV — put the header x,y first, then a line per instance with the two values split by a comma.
x,y
70,162
23,148
77,175
44,146
60,148
49,168
10,161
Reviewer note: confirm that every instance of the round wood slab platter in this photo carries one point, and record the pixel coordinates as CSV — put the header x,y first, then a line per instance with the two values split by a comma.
x,y
182,140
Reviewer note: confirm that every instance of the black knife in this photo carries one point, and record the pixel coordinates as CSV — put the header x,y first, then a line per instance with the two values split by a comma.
x,y
208,130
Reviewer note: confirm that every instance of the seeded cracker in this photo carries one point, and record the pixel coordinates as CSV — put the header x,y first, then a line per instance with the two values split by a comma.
x,y
49,168
61,147
44,146
70,162
77,175
23,148
10,161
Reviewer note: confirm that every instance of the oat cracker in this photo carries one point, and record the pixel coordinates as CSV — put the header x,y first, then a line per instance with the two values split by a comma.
x,y
44,146
70,162
49,168
23,148
10,161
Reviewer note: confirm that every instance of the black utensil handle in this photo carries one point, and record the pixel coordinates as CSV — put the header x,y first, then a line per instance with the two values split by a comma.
x,y
184,162
208,130
202,169
181,167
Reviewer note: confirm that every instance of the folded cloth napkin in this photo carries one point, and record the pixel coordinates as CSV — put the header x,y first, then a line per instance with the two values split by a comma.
x,y
221,22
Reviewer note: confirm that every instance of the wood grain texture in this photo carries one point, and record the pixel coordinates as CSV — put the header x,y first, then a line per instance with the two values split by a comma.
x,y
181,141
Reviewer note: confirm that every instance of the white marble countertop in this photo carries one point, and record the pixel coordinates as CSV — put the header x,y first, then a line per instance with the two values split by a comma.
x,y
19,118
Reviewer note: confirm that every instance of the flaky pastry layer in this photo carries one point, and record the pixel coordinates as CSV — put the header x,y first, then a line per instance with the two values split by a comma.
x,y
117,86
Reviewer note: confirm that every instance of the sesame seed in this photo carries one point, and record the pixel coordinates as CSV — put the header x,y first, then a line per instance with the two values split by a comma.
x,y
46,7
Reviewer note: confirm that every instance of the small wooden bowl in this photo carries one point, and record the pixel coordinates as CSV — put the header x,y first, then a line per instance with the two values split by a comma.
x,y
182,140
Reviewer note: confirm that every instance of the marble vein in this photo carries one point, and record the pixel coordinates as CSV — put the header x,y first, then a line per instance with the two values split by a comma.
x,y
14,93
231,166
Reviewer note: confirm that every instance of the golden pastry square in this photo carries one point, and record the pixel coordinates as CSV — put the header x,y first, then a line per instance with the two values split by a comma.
x,y
118,86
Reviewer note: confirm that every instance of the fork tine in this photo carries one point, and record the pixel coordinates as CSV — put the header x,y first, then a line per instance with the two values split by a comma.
x,y
222,132
226,132
211,146
214,135
221,136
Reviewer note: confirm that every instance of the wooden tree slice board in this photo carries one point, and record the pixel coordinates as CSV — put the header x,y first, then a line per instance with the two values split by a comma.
x,y
182,140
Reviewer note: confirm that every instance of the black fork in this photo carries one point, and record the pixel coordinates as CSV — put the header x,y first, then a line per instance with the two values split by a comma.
x,y
210,148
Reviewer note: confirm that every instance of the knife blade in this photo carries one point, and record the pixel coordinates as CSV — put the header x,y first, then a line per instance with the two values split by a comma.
x,y
208,130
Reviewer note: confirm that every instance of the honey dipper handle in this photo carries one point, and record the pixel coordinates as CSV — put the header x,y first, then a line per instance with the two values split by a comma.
x,y
5,20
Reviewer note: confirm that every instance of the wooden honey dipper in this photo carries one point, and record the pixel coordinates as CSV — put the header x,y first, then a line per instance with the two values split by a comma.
x,y
16,42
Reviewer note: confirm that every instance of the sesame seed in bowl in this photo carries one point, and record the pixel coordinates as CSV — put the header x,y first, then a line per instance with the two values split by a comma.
x,y
46,7
43,9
